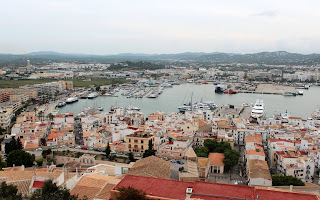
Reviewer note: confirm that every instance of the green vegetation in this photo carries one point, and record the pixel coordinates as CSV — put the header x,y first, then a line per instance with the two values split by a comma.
x,y
231,157
46,152
76,82
107,151
50,191
281,180
13,145
150,151
130,193
9,192
39,161
131,158
3,164
19,157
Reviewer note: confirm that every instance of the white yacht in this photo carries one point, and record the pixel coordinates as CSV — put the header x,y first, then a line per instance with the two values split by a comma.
x,y
92,95
258,110
166,84
72,99
131,107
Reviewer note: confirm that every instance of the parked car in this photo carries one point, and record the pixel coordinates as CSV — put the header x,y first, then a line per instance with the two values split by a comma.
x,y
78,147
72,146
165,158
84,148
90,148
120,153
137,155
39,149
54,147
180,162
113,152
173,160
97,149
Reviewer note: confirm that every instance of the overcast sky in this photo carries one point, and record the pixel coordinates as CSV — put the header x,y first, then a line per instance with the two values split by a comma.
x,y
162,26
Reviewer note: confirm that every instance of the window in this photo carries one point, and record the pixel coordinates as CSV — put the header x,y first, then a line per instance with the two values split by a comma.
x,y
141,141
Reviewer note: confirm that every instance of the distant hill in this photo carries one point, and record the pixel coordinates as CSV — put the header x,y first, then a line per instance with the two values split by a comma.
x,y
274,58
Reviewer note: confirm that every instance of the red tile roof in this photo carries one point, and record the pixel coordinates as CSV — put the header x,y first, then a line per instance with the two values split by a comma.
x,y
38,184
172,189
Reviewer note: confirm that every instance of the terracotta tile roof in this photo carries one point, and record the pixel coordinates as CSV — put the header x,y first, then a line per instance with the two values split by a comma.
x,y
31,146
202,123
105,192
81,191
216,159
151,167
93,184
190,153
202,162
254,139
255,152
258,169
26,175
22,186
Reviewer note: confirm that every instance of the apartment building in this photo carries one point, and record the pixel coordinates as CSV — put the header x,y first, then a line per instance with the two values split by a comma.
x,y
138,141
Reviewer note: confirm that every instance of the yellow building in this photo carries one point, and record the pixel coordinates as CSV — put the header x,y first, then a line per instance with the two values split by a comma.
x,y
138,142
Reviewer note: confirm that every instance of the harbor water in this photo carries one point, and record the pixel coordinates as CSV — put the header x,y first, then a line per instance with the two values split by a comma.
x,y
172,98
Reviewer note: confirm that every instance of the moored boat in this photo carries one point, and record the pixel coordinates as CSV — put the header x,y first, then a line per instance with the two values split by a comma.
x,y
258,110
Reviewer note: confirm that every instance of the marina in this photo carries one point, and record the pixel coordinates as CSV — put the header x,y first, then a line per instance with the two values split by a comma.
x,y
173,97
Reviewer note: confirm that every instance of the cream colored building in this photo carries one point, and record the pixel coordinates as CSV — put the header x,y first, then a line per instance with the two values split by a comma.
x,y
6,113
19,97
216,163
138,142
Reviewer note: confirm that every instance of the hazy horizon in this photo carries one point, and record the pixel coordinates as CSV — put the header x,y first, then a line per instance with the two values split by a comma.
x,y
159,27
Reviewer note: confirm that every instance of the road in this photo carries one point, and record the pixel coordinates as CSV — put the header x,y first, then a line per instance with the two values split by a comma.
x,y
174,169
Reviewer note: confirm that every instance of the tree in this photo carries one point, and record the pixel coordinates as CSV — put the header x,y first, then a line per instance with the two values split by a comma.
x,y
3,164
201,151
20,157
19,145
50,117
9,192
46,152
131,158
39,161
98,88
150,151
107,150
130,193
40,115
282,180
43,141
13,145
2,131
231,158
50,191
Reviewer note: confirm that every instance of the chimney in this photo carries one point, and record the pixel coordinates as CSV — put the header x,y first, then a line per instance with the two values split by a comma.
x,y
291,187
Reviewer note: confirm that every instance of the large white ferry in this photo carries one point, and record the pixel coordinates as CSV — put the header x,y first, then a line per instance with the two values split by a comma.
x,y
258,110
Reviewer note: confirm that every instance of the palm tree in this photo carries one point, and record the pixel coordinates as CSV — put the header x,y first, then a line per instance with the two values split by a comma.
x,y
40,115
50,117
